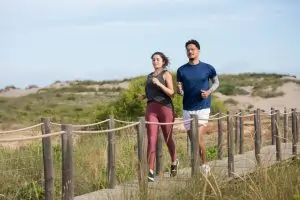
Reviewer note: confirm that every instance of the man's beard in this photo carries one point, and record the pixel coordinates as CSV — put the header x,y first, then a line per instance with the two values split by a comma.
x,y
192,59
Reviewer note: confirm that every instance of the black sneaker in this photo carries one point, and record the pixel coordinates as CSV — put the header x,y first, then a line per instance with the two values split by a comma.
x,y
151,177
174,169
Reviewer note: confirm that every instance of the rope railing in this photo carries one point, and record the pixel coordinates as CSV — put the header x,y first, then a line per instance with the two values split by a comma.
x,y
31,137
212,118
217,118
124,122
169,123
108,130
82,125
21,129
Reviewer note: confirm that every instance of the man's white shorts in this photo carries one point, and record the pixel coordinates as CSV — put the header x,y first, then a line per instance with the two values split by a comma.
x,y
203,116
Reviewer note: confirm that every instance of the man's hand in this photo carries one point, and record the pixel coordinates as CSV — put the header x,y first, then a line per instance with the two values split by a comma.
x,y
205,93
179,88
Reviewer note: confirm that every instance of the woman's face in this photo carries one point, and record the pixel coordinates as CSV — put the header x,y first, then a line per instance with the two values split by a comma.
x,y
157,61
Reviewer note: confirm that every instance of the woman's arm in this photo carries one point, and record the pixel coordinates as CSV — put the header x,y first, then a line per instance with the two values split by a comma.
x,y
168,90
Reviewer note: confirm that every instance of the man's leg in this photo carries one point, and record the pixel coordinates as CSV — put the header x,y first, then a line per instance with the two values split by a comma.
x,y
187,126
203,116
202,151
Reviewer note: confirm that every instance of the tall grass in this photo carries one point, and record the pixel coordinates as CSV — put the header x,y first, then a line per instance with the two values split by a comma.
x,y
21,167
278,182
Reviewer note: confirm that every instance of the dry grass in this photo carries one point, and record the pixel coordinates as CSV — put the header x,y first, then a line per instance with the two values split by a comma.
x,y
90,159
279,182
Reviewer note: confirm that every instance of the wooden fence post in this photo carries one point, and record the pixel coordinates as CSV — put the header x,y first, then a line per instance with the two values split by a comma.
x,y
259,126
111,155
220,137
273,125
237,133
67,163
159,152
230,144
194,146
48,161
142,157
257,136
241,132
188,144
294,132
285,125
278,138
297,125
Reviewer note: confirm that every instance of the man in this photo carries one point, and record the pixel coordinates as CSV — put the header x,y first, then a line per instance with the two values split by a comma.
x,y
193,83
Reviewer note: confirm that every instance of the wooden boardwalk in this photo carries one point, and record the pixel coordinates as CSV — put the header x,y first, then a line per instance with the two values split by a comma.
x,y
243,164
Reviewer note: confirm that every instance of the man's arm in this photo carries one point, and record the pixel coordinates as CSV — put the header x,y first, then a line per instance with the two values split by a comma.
x,y
215,84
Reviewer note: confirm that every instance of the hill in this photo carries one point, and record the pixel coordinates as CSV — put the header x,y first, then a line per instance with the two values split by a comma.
x,y
79,100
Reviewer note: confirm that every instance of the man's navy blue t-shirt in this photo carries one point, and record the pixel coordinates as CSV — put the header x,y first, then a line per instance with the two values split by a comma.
x,y
195,78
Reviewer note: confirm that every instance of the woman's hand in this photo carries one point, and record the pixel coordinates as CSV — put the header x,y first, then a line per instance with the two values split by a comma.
x,y
155,81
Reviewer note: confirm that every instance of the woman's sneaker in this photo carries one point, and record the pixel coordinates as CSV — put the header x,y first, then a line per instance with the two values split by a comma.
x,y
151,176
174,168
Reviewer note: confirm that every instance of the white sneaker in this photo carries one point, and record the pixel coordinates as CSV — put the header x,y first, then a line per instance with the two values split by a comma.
x,y
205,169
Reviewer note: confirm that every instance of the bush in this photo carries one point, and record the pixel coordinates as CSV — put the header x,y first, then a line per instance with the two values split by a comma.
x,y
129,106
31,87
10,87
231,101
267,94
230,89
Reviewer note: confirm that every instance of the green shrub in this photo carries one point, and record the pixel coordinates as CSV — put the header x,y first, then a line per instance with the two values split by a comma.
x,y
230,89
31,86
10,87
129,106
267,94
231,101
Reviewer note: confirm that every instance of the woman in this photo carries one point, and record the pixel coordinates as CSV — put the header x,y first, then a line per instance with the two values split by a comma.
x,y
159,92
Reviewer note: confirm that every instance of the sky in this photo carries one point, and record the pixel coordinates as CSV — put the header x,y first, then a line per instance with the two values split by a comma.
x,y
45,41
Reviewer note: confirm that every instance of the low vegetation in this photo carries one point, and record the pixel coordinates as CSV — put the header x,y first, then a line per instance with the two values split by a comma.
x,y
21,169
75,104
93,82
82,104
81,101
260,82
31,87
230,101
280,181
90,153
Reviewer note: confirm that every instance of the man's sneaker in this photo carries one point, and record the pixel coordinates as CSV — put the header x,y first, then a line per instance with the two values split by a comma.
x,y
205,170
151,176
174,168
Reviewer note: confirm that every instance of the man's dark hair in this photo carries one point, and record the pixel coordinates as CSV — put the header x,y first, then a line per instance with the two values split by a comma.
x,y
194,42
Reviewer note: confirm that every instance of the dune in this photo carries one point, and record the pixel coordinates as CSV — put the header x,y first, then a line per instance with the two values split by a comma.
x,y
290,99
18,92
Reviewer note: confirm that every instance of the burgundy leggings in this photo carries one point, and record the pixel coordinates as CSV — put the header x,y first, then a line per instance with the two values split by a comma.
x,y
156,112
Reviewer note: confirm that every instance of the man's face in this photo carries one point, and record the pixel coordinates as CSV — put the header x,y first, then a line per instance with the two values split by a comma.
x,y
192,51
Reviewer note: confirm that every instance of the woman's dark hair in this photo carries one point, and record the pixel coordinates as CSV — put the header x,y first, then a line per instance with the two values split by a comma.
x,y
194,42
163,57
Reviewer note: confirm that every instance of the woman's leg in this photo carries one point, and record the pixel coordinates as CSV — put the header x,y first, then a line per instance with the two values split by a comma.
x,y
151,116
166,115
